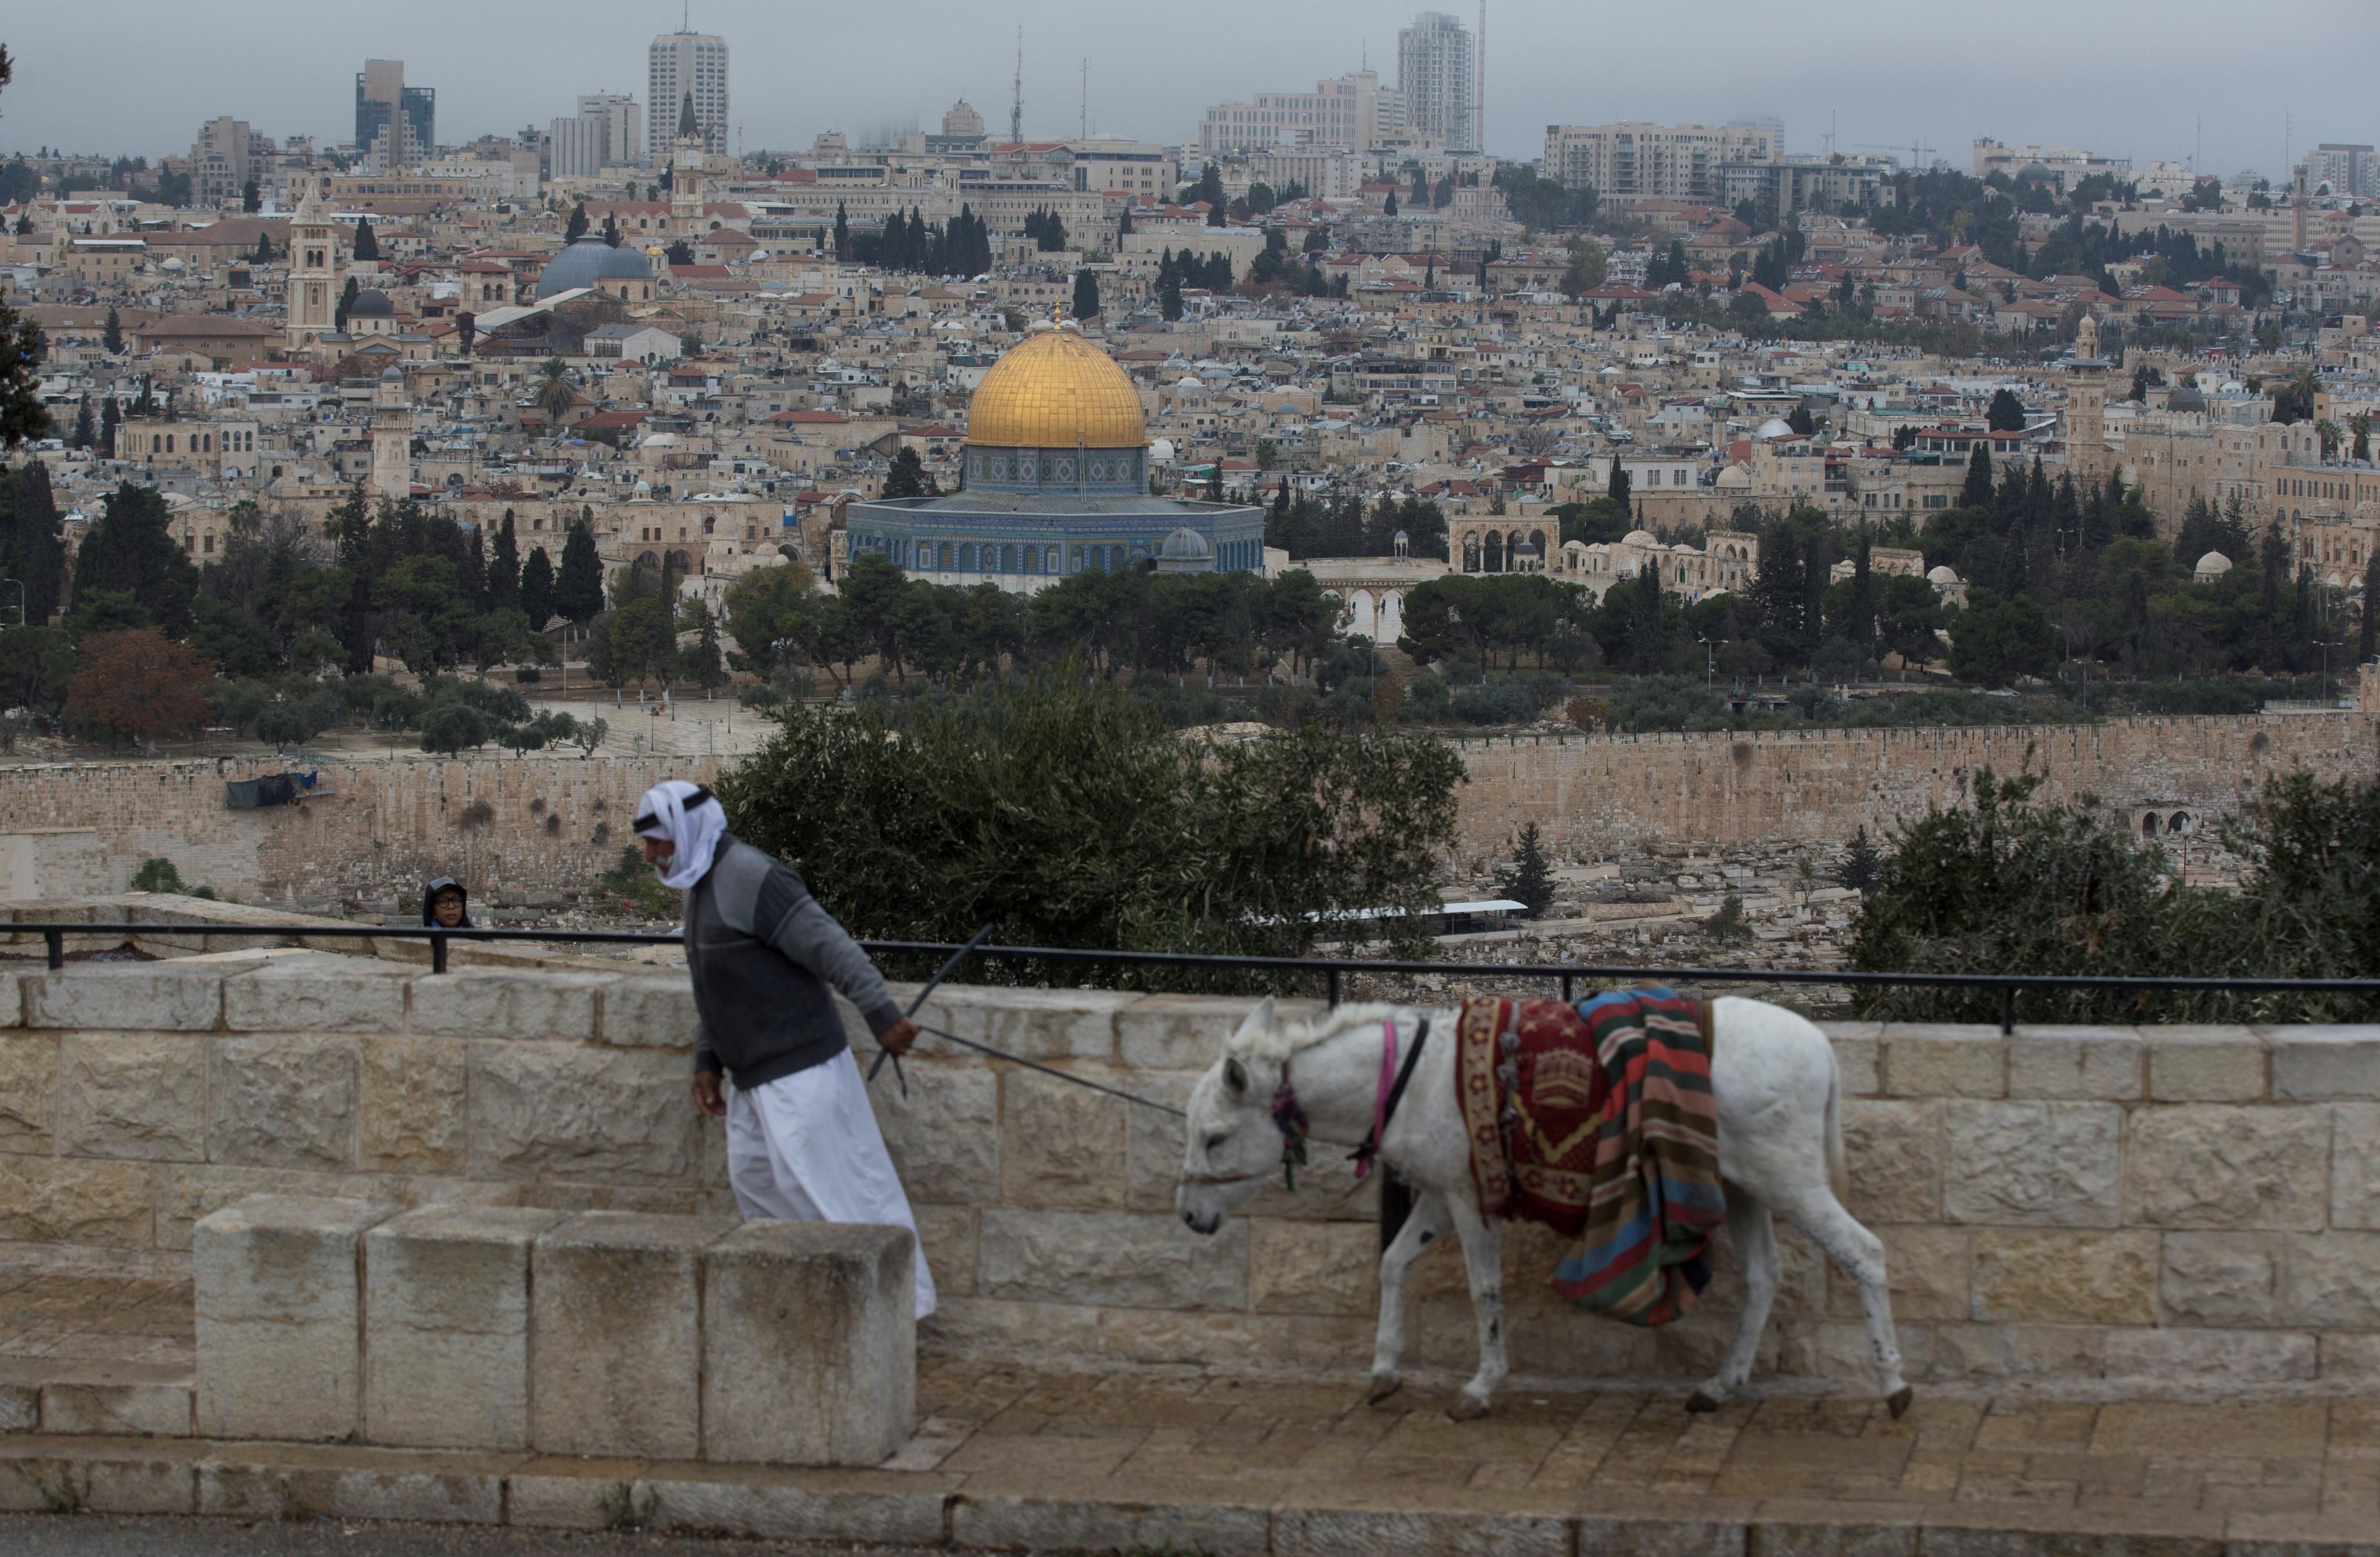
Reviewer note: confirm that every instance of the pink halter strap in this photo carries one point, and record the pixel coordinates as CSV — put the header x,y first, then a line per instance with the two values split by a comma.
x,y
1381,1096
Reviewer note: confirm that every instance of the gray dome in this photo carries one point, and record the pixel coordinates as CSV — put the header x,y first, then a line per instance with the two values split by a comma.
x,y
591,260
2035,173
371,303
1187,545
2186,400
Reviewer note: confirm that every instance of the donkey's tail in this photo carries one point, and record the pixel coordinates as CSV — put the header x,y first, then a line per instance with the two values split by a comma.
x,y
1837,1176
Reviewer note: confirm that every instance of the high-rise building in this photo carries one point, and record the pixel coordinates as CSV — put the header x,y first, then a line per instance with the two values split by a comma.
x,y
608,131
397,125
680,63
1437,76
221,163
2347,170
1352,114
1667,162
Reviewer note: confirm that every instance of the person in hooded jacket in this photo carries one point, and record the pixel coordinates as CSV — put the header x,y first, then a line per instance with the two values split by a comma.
x,y
769,1056
445,905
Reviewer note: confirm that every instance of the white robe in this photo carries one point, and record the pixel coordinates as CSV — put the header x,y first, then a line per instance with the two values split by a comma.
x,y
805,1148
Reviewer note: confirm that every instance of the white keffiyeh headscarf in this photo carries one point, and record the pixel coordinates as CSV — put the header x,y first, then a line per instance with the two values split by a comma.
x,y
688,816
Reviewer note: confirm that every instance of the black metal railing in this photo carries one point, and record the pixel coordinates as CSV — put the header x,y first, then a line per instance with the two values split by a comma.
x,y
1333,971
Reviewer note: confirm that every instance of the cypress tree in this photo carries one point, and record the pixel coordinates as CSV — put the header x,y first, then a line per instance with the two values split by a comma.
x,y
578,592
1086,295
84,432
109,415
841,233
578,223
504,567
536,589
367,245
31,543
111,338
1977,493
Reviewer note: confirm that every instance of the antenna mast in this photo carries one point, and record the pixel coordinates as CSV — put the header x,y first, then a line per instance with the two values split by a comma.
x,y
1083,124
1479,92
1016,90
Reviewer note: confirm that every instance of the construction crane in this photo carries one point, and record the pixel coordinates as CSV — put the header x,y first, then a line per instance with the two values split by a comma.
x,y
1918,151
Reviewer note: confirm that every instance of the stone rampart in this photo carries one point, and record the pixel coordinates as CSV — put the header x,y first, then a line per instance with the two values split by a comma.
x,y
1596,795
2179,1205
368,828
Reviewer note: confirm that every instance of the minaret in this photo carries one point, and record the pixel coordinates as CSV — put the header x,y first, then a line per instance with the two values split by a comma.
x,y
392,437
313,291
686,174
2087,408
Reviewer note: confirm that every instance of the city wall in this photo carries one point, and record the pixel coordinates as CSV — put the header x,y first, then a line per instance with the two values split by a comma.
x,y
1594,796
2195,1206
377,829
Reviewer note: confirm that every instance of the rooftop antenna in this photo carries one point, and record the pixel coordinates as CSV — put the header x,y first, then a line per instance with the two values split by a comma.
x,y
1479,92
1016,90
1083,120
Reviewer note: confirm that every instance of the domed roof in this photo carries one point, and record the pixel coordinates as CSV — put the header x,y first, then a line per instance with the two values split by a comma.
x,y
2214,562
589,260
1641,537
2186,398
2035,173
1944,573
1055,390
370,303
1185,545
1775,427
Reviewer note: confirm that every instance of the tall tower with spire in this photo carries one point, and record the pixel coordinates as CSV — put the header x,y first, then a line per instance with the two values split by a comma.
x,y
2087,408
313,290
686,167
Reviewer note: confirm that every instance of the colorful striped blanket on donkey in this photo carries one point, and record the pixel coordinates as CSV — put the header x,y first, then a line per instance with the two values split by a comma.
x,y
1597,1120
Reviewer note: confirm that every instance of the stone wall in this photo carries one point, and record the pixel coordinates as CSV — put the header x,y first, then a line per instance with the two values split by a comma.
x,y
369,828
1594,796
2197,1205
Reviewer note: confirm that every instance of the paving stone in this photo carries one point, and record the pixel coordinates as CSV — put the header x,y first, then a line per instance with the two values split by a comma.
x,y
618,1356
446,1327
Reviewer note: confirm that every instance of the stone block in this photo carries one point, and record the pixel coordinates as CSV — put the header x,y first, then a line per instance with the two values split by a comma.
x,y
282,1101
1061,1523
1060,1145
446,1320
761,1502
12,1001
810,1347
1038,1024
2064,1277
279,1318
1943,1060
2210,1166
175,996
152,1478
2317,1065
1999,1351
1893,1154
649,1011
287,1481
189,1192
133,1094
132,1409
411,1105
944,1137
2031,1165
2355,1166
318,992
946,1239
29,1091
59,1200
1927,1269
570,1109
618,1357
2204,1064
1481,1531
2211,1356
2226,1280
489,1003
1112,1257
1859,1056
1186,1032
20,1406
2052,1061
2334,1279
573,1494
1314,1267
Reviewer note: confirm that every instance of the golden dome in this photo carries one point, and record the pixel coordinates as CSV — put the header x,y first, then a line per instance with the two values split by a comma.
x,y
1055,390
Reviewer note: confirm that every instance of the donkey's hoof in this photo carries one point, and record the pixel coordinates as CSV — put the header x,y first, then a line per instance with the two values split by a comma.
x,y
1897,1403
1466,1409
1699,1402
1383,1386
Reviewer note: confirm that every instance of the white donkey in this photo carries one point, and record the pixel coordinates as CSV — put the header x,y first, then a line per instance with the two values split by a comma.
x,y
1781,1151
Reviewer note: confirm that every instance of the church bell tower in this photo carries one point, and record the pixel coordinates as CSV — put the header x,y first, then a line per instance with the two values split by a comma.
x,y
313,292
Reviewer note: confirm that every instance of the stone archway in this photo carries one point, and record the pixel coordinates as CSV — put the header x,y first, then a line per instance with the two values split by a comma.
x,y
1492,555
1391,616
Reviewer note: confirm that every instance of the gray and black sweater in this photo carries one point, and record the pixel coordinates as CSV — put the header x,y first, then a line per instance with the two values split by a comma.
x,y
763,953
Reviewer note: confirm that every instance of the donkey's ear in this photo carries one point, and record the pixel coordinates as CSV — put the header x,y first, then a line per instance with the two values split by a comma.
x,y
1235,1077
1261,1018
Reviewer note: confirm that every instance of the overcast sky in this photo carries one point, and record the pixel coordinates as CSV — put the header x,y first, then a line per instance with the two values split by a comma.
x,y
2123,76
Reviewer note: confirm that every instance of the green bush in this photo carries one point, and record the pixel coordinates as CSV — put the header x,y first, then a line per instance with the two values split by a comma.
x,y
1072,817
156,875
631,884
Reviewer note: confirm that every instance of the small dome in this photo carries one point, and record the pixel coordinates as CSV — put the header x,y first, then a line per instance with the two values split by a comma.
x,y
1641,537
371,303
2035,173
2186,399
1944,573
1402,539
171,266
1681,546
1525,548
2215,563
1161,451
1775,427
1187,545
392,375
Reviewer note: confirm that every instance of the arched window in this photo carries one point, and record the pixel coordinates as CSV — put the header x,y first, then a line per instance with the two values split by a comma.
x,y
1050,559
946,558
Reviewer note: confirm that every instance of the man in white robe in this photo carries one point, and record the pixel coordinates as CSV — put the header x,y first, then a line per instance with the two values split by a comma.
x,y
769,1054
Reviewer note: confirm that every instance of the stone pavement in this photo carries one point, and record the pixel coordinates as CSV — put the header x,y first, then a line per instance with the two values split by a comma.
x,y
1232,1464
